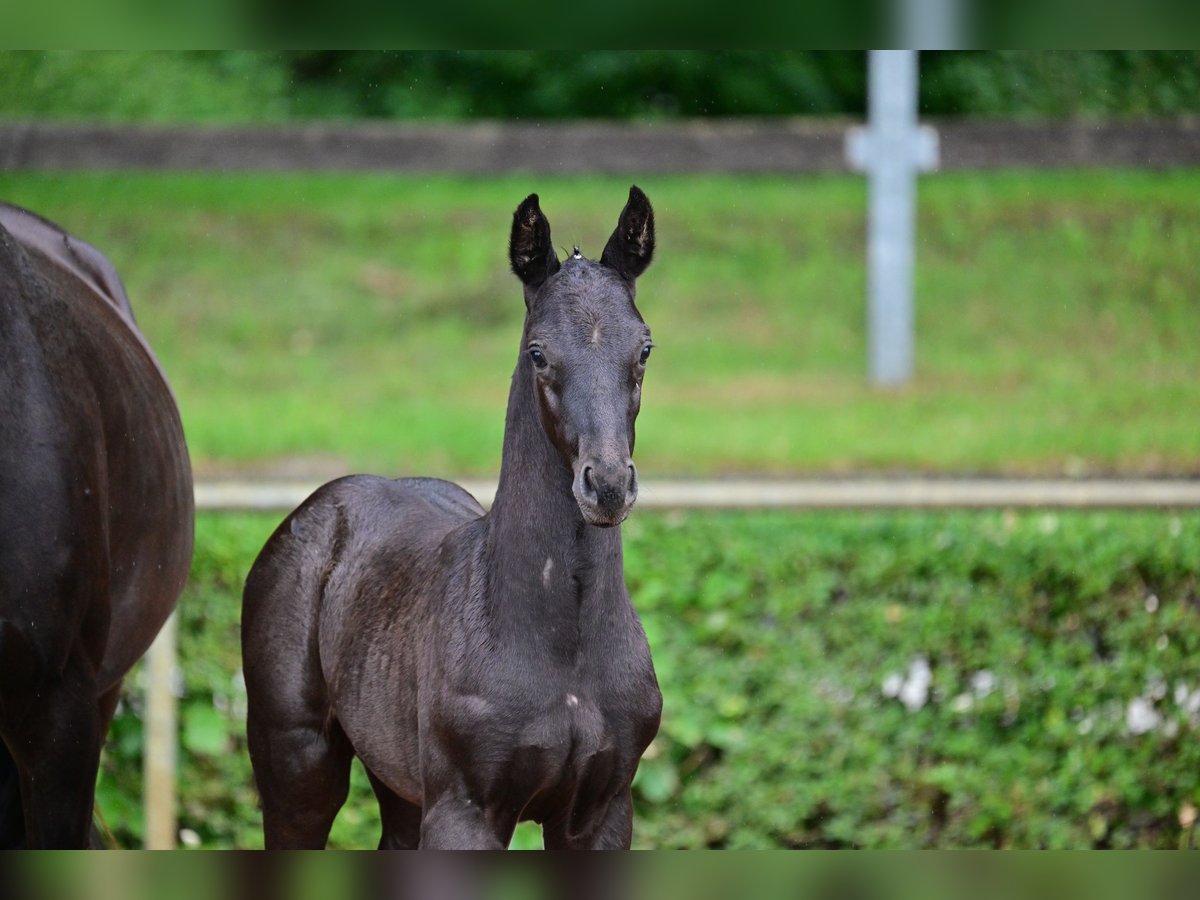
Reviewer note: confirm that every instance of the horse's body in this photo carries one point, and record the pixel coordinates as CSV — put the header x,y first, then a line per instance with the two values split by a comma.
x,y
485,668
96,520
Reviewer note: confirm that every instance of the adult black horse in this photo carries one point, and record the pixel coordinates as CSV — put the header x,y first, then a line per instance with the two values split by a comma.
x,y
96,520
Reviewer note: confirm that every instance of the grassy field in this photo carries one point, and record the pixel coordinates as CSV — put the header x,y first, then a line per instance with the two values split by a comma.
x,y
1061,706
351,322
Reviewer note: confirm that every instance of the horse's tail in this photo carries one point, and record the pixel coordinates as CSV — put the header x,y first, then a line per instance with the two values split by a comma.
x,y
12,818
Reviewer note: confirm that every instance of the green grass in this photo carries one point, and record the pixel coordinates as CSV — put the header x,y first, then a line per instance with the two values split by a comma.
x,y
774,634
368,322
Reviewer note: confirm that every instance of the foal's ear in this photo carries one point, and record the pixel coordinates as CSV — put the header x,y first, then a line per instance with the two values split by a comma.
x,y
529,248
632,244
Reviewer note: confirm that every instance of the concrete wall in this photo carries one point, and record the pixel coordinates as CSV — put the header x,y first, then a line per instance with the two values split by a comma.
x,y
789,145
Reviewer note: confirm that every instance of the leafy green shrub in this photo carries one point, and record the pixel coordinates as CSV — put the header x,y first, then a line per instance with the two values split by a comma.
x,y
870,680
1036,83
550,84
776,636
667,84
142,85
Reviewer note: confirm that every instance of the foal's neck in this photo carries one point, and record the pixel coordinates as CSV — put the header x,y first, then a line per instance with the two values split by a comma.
x,y
546,566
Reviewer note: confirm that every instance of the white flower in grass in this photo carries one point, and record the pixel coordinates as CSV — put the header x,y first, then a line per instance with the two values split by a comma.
x,y
892,684
1181,693
914,693
1141,716
983,683
1187,699
911,688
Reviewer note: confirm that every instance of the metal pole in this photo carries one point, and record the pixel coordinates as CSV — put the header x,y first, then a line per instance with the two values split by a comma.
x,y
161,744
931,24
893,122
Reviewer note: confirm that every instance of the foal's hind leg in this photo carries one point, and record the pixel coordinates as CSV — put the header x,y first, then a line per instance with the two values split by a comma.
x,y
400,819
303,776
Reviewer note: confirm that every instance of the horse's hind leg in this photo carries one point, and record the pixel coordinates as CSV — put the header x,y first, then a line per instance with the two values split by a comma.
x,y
300,754
400,819
12,818
101,837
54,735
303,777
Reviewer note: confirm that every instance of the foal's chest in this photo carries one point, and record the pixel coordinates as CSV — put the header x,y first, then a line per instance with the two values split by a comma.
x,y
529,744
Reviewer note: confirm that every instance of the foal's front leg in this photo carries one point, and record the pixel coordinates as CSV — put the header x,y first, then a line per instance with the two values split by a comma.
x,y
615,831
455,822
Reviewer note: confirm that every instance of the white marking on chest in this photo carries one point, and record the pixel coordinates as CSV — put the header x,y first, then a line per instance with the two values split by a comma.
x,y
572,701
547,571
596,333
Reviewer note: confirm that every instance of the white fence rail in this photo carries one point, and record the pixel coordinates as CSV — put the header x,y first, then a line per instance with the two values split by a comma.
x,y
811,493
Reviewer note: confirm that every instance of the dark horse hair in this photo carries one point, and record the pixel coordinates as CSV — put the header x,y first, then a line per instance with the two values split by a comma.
x,y
95,520
486,668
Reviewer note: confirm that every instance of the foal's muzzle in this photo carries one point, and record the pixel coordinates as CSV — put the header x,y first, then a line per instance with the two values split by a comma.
x,y
605,491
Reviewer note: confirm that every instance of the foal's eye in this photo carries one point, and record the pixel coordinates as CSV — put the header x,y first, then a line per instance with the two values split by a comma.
x,y
538,357
645,354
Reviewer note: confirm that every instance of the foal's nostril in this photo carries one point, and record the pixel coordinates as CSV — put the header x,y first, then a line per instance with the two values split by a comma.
x,y
606,490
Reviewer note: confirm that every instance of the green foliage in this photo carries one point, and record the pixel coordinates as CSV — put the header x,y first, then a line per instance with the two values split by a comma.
x,y
1033,83
775,635
139,85
554,84
322,322
561,84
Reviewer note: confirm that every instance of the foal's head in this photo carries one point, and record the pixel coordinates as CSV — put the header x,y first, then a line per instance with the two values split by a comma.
x,y
586,348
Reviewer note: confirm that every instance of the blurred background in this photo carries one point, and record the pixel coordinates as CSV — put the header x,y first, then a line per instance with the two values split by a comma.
x,y
999,678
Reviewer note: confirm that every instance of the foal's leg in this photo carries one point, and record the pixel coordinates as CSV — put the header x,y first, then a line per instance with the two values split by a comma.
x,y
401,820
455,823
303,776
300,754
615,831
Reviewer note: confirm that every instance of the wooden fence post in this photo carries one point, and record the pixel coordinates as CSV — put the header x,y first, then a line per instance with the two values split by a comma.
x,y
161,741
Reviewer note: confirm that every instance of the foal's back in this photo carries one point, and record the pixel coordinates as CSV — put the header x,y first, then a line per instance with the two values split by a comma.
x,y
355,556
